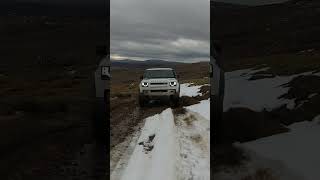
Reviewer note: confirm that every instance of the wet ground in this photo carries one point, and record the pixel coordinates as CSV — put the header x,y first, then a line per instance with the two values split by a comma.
x,y
126,113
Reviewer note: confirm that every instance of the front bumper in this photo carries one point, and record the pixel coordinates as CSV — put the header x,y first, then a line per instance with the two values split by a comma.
x,y
160,92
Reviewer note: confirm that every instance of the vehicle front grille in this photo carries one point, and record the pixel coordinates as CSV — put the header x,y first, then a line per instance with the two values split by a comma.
x,y
158,83
159,90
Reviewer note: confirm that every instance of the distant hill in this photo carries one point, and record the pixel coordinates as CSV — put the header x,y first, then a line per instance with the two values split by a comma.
x,y
301,1
128,63
313,4
228,5
288,27
42,9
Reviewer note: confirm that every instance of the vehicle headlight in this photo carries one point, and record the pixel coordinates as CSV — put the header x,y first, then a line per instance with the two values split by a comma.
x,y
145,84
173,83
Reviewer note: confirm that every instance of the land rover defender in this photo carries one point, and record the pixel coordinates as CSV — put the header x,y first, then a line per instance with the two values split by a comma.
x,y
157,83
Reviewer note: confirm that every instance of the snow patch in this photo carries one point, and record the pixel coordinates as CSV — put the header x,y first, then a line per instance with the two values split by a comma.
x,y
275,168
194,142
168,147
256,94
203,108
159,163
298,149
188,90
120,154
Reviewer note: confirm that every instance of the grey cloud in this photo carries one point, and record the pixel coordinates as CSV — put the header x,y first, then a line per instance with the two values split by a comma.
x,y
161,29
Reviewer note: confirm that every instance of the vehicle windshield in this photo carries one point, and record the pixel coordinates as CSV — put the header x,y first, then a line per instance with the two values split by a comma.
x,y
159,74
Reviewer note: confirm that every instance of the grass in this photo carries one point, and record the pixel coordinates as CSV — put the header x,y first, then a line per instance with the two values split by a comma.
x,y
124,85
196,138
253,125
227,156
180,110
260,124
35,107
189,119
281,64
123,90
39,99
196,82
125,81
261,174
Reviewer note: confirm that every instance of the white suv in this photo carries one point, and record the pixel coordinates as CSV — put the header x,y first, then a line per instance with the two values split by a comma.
x,y
159,83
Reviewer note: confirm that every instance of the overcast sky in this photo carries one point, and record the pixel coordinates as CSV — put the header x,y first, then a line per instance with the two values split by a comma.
x,y
174,30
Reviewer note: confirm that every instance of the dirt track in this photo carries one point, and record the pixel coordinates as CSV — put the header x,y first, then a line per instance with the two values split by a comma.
x,y
126,113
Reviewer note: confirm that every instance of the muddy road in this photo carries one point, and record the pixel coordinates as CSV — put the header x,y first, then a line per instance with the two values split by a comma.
x,y
129,123
125,113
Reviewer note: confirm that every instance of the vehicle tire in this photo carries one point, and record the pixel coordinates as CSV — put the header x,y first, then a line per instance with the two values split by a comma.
x,y
142,101
175,101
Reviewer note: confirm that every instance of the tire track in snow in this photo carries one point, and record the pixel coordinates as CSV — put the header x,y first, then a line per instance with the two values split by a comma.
x,y
180,151
180,148
159,162
120,154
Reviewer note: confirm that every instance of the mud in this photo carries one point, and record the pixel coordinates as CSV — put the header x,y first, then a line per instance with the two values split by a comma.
x,y
126,115
148,145
189,119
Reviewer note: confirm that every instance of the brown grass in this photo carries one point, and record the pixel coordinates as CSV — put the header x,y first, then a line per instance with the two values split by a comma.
x,y
189,119
251,125
261,174
280,64
127,80
227,155
196,138
196,82
179,110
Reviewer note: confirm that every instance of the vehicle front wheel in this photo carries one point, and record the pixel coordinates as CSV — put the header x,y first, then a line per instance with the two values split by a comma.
x,y
175,101
142,101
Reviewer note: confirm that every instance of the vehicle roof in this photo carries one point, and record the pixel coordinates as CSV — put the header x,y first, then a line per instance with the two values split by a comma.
x,y
150,69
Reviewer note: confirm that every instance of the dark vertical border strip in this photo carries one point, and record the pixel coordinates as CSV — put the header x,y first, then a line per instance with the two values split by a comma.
x,y
211,95
107,2
216,94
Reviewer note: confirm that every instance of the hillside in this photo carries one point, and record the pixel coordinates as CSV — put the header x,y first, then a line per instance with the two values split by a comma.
x,y
143,64
43,9
49,41
46,89
275,29
121,69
